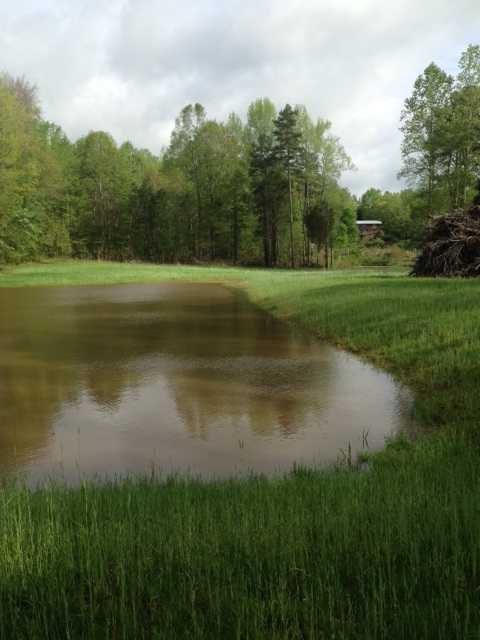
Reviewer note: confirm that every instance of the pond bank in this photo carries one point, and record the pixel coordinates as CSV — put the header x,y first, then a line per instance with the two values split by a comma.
x,y
424,331
314,555
190,378
392,553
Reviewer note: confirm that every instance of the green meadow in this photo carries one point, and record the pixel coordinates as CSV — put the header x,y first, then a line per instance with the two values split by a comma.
x,y
385,546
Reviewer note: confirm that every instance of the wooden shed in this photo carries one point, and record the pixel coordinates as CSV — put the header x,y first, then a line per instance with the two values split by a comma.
x,y
369,229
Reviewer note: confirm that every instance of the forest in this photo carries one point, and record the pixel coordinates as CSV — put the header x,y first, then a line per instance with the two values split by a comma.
x,y
261,192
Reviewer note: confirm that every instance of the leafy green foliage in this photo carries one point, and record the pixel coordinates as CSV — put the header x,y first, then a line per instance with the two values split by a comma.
x,y
441,129
220,191
264,191
104,180
20,166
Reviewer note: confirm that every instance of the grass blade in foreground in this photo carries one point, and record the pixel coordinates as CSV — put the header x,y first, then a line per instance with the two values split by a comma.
x,y
389,553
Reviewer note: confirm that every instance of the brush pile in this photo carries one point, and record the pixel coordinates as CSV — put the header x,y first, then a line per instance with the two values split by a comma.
x,y
452,249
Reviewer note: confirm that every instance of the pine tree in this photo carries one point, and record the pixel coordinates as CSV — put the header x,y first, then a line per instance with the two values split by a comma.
x,y
287,148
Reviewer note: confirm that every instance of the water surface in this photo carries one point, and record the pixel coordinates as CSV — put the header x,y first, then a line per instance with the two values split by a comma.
x,y
188,378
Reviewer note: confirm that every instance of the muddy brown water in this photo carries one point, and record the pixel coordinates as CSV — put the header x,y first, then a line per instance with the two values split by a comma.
x,y
176,378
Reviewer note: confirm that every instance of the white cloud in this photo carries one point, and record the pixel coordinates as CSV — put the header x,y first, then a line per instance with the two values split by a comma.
x,y
129,66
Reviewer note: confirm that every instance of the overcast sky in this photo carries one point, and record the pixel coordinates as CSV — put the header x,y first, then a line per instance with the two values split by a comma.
x,y
128,67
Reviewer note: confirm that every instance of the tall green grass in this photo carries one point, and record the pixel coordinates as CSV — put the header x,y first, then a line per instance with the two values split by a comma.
x,y
387,547
426,332
392,552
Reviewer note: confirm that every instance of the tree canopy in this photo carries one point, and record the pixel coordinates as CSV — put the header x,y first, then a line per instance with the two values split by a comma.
x,y
441,135
264,191
229,190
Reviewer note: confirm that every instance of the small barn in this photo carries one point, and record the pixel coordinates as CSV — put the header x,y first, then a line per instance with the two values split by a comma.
x,y
369,229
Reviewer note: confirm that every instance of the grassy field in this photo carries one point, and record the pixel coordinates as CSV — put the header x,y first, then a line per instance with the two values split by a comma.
x,y
388,547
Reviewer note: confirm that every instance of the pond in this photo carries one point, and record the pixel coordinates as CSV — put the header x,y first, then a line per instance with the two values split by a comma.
x,y
176,378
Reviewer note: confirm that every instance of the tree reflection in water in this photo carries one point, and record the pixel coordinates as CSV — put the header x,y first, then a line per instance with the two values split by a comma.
x,y
104,379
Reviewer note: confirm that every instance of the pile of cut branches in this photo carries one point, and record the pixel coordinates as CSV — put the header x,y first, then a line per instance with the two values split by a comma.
x,y
452,249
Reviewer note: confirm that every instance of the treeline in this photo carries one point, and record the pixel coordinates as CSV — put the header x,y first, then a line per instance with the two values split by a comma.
x,y
441,137
264,191
440,123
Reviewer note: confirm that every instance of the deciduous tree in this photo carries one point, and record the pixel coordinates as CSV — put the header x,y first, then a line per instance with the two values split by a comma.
x,y
105,182
422,118
19,176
